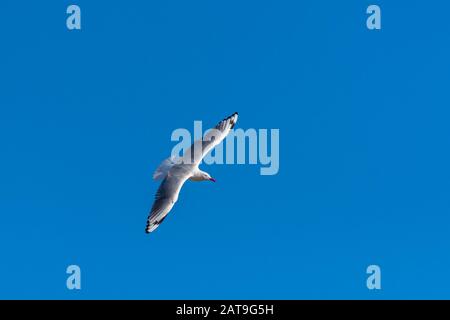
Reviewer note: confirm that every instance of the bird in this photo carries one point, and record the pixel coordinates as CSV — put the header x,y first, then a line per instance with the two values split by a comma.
x,y
175,171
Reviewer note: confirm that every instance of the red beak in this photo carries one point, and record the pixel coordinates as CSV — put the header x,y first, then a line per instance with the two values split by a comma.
x,y
212,179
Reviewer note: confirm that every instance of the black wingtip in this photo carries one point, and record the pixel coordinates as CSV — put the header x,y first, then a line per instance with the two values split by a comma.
x,y
147,228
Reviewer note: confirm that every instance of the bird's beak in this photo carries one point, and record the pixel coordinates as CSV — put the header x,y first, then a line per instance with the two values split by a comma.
x,y
212,179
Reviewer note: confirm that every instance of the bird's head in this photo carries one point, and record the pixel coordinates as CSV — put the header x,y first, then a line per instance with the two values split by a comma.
x,y
206,176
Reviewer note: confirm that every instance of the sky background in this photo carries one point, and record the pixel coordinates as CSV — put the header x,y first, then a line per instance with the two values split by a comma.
x,y
86,117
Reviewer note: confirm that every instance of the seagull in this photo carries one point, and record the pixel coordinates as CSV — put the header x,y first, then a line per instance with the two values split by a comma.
x,y
174,171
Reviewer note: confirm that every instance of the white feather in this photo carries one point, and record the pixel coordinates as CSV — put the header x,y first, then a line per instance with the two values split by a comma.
x,y
164,167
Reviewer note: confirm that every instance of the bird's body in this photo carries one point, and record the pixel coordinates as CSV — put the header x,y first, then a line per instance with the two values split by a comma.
x,y
175,171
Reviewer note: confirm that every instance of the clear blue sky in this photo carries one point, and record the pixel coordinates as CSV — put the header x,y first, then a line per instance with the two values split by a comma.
x,y
86,116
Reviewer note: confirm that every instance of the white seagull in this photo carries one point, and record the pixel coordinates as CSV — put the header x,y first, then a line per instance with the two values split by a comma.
x,y
175,171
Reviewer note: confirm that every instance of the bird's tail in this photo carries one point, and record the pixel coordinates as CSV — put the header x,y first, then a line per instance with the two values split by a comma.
x,y
164,167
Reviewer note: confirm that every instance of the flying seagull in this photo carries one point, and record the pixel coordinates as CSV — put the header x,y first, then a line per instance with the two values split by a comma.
x,y
175,171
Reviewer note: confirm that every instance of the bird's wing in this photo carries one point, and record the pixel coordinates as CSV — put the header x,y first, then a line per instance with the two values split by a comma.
x,y
165,198
213,137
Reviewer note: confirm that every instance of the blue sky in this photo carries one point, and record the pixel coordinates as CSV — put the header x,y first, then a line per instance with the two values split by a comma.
x,y
86,117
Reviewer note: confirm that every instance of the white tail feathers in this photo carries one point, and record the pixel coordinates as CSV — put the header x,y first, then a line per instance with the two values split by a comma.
x,y
164,167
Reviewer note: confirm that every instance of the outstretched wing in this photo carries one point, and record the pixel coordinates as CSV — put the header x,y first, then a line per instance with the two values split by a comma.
x,y
165,198
213,137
